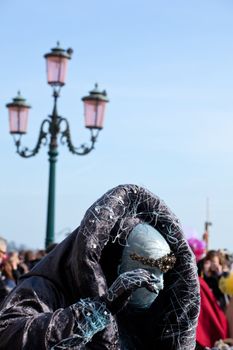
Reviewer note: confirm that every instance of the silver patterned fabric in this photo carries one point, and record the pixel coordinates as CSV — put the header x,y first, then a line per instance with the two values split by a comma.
x,y
46,308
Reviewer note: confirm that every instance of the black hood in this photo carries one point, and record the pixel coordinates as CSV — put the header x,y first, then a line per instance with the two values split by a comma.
x,y
86,262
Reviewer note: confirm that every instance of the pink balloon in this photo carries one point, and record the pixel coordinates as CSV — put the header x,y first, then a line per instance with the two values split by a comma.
x,y
198,247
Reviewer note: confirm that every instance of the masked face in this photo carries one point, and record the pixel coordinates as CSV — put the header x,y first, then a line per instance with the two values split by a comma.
x,y
142,298
145,241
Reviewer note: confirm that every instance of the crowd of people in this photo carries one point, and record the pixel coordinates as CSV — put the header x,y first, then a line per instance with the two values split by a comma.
x,y
215,322
14,264
126,278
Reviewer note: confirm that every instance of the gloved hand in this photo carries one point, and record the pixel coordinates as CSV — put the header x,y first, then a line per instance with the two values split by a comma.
x,y
120,291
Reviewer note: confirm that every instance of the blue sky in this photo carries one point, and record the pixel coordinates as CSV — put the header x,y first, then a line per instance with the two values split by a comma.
x,y
168,69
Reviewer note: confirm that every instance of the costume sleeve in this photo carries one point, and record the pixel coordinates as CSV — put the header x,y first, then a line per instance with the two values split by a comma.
x,y
27,325
3,291
90,318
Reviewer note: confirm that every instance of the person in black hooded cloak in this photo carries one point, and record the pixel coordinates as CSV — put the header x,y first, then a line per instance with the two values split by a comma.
x,y
125,279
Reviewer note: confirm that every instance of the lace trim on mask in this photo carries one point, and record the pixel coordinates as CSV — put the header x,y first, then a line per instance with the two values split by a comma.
x,y
165,263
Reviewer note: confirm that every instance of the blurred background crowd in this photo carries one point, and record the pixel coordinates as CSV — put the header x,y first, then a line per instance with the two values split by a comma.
x,y
14,264
215,271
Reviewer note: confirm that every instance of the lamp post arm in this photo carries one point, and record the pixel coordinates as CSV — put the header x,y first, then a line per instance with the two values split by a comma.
x,y
42,139
83,149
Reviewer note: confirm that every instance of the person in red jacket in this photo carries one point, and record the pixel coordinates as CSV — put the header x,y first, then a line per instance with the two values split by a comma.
x,y
212,322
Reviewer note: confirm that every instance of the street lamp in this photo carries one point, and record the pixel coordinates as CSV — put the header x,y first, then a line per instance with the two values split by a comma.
x,y
55,125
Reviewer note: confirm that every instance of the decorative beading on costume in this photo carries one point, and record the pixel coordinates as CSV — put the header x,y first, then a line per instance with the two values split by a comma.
x,y
130,281
95,317
165,263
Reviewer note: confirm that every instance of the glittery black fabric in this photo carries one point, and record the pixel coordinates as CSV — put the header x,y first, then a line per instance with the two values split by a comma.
x,y
42,310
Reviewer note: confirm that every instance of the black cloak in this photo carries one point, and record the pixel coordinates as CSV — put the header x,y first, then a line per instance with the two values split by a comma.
x,y
45,307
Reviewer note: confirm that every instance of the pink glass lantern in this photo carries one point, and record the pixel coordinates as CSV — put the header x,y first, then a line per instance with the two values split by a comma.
x,y
18,115
57,62
94,108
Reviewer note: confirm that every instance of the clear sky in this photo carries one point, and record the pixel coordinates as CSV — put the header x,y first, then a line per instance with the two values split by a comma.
x,y
167,66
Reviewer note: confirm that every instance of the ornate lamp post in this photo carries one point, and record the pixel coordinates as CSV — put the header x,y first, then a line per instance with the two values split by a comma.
x,y
55,127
